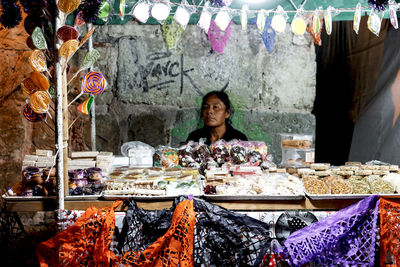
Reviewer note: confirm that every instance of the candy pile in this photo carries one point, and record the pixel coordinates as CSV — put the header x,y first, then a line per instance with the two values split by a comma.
x,y
157,181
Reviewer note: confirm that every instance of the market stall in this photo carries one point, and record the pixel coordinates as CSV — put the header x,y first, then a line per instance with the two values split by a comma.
x,y
238,176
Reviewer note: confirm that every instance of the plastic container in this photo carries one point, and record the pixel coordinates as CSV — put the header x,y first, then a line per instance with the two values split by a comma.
x,y
297,158
298,141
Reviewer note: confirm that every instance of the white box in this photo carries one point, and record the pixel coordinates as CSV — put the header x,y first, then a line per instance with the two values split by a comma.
x,y
45,153
84,154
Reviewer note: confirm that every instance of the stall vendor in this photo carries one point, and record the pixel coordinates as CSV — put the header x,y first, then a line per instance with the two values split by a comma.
x,y
216,111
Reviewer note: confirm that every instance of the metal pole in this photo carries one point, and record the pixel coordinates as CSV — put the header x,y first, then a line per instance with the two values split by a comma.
x,y
93,109
59,112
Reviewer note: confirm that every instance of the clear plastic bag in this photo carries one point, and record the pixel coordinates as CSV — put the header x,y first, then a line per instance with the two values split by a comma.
x,y
223,19
279,20
160,11
141,11
182,14
205,18
298,23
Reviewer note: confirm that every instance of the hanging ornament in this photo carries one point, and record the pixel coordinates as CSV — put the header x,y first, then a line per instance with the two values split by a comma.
x,y
378,5
393,7
298,24
182,14
243,17
312,26
261,20
160,11
141,11
357,18
172,32
32,116
122,5
94,83
218,38
37,60
222,20
90,10
104,11
67,6
79,19
374,22
328,20
11,13
268,35
85,106
205,18
66,33
279,20
38,39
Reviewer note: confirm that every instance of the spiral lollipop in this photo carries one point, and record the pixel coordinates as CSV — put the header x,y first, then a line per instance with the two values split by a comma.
x,y
39,101
32,116
40,80
28,86
38,60
94,83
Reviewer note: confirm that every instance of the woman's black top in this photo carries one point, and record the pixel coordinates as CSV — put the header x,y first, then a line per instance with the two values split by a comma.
x,y
205,132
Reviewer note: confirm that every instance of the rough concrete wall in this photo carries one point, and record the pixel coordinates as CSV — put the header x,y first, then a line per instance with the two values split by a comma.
x,y
155,93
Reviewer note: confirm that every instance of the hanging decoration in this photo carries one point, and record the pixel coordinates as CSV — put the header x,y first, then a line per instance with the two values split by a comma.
x,y
172,32
141,11
32,116
218,38
378,5
268,35
243,17
374,22
223,19
85,106
279,20
182,15
205,18
328,20
346,238
105,9
11,13
94,83
160,12
298,24
393,7
357,18
90,10
261,20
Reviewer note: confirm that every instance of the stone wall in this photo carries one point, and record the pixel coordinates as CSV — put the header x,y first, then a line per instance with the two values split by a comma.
x,y
154,94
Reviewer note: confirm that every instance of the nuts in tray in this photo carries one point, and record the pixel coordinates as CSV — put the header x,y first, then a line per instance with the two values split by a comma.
x,y
315,186
359,186
339,186
380,186
320,166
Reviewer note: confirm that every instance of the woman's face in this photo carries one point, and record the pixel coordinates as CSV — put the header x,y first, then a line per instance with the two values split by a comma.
x,y
214,112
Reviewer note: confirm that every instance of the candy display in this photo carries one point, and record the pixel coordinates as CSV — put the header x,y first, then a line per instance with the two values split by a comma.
x,y
66,33
32,116
39,101
166,157
94,83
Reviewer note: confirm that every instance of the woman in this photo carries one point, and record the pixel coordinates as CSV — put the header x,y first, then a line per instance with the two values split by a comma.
x,y
216,111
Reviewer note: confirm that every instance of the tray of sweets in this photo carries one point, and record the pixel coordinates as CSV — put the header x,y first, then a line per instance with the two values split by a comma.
x,y
347,196
27,198
254,197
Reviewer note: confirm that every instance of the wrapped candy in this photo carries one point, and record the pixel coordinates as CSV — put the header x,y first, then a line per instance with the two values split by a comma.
x,y
187,156
141,11
238,153
393,7
219,152
357,18
205,18
182,14
298,24
218,38
374,22
243,17
279,20
328,20
261,20
160,11
166,156
223,19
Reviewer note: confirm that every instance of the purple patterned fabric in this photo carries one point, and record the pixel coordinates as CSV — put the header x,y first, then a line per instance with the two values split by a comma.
x,y
346,238
218,38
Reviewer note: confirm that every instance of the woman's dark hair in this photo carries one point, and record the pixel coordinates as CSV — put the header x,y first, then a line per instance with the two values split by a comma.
x,y
224,98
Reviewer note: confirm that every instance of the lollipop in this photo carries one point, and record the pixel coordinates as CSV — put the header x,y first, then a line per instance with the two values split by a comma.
x,y
88,61
66,33
39,101
94,83
32,116
104,11
40,80
38,39
86,105
86,37
68,48
29,43
67,6
28,86
38,60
